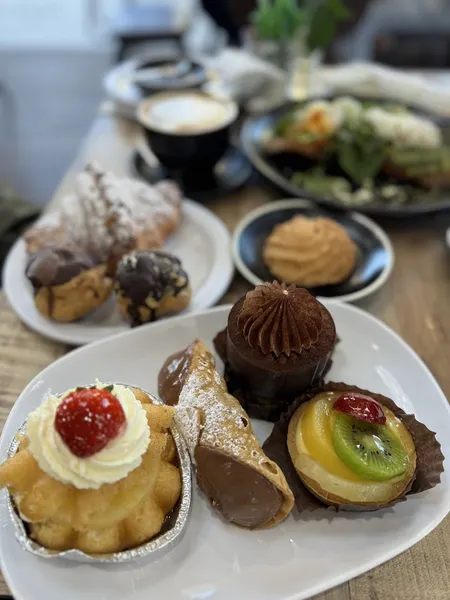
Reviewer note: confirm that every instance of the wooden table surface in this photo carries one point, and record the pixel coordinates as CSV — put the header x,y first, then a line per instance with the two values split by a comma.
x,y
414,303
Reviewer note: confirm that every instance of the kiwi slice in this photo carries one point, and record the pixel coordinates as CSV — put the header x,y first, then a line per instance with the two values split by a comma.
x,y
372,451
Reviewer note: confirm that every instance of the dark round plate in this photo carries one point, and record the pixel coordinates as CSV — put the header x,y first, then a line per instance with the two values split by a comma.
x,y
375,258
277,169
230,173
171,74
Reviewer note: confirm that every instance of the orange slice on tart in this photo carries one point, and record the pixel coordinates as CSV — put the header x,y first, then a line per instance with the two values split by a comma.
x,y
349,450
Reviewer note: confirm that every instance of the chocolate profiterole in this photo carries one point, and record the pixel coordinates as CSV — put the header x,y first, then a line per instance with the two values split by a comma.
x,y
277,343
242,484
151,284
67,282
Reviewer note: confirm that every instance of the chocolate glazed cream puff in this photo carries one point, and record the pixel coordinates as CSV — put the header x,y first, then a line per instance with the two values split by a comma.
x,y
277,343
67,282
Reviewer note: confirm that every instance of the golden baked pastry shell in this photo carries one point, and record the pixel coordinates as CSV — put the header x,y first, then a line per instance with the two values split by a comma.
x,y
327,497
173,526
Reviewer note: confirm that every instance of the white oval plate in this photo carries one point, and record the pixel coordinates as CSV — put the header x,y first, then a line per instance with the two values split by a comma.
x,y
375,250
118,84
215,560
202,243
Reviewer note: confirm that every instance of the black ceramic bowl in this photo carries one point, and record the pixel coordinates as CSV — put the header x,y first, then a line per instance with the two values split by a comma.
x,y
375,255
185,148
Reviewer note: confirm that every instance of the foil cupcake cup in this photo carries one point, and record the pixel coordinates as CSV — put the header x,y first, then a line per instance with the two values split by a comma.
x,y
170,534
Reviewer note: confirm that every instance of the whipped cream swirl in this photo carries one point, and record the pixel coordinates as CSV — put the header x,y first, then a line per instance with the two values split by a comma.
x,y
121,456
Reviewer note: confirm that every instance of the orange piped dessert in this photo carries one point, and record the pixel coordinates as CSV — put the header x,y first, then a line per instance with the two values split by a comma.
x,y
310,252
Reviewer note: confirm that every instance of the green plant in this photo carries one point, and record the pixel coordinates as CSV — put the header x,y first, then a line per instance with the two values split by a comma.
x,y
286,19
324,21
278,19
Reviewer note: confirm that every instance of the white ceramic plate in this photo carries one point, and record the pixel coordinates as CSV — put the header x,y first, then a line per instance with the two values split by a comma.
x,y
202,242
214,560
118,84
374,260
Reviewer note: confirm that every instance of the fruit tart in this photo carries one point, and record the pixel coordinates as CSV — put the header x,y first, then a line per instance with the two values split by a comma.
x,y
96,470
353,450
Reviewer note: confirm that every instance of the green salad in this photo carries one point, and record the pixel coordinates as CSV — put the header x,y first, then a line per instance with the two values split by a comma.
x,y
353,143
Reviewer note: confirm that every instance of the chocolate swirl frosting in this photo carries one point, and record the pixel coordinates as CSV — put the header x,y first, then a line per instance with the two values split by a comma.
x,y
280,320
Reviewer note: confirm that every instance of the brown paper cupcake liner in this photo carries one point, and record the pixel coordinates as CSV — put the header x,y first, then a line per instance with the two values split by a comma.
x,y
430,460
258,407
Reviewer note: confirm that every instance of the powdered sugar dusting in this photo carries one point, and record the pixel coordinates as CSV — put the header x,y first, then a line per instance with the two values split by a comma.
x,y
224,423
209,417
130,260
188,420
51,219
108,213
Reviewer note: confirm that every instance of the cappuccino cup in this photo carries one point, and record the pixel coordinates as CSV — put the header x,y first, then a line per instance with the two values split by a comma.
x,y
187,129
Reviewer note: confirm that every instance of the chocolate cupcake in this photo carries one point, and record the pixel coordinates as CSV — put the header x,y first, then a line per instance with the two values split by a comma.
x,y
151,284
278,342
67,282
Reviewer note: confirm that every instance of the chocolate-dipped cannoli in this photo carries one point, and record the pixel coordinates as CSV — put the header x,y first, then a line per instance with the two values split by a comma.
x,y
243,485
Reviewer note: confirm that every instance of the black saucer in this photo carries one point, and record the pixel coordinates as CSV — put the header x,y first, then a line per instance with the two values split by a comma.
x,y
185,75
375,256
229,174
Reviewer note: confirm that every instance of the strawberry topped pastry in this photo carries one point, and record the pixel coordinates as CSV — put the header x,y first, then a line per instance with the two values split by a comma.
x,y
96,470
353,449
88,420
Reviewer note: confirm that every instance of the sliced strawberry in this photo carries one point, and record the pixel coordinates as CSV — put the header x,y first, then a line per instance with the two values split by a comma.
x,y
88,419
360,407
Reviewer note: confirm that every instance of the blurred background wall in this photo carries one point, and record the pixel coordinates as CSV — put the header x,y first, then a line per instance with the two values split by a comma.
x,y
54,53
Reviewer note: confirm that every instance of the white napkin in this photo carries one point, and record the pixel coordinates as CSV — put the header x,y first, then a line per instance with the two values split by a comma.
x,y
429,92
251,81
261,86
